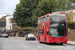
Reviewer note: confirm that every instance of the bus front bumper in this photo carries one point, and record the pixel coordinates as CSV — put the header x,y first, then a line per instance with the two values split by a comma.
x,y
58,41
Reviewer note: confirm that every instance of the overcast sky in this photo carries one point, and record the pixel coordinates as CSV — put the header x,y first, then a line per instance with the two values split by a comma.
x,y
7,7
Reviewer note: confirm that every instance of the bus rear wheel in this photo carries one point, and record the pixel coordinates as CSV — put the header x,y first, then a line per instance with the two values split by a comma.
x,y
45,41
39,40
61,43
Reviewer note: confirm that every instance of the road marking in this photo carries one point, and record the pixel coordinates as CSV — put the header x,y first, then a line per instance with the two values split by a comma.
x,y
40,46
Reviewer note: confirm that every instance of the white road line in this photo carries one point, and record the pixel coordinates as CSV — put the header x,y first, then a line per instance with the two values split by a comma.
x,y
40,46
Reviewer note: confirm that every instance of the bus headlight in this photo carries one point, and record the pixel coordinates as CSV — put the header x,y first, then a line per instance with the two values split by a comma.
x,y
65,38
51,38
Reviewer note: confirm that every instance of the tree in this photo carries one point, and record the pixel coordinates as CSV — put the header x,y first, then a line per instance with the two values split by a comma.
x,y
28,10
6,15
23,12
64,5
44,7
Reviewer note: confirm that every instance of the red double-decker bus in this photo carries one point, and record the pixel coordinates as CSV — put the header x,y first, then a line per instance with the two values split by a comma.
x,y
52,28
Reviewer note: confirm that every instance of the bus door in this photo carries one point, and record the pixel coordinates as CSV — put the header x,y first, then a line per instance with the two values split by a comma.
x,y
47,34
42,33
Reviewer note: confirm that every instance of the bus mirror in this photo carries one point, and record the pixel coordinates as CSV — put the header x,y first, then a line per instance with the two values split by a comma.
x,y
68,29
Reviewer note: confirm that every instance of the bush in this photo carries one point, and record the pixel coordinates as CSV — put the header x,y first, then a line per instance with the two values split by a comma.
x,y
35,29
71,24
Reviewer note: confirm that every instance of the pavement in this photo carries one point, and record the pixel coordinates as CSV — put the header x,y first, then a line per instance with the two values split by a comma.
x,y
71,42
68,42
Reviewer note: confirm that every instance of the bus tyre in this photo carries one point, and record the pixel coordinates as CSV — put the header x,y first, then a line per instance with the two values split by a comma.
x,y
45,41
39,40
28,39
61,43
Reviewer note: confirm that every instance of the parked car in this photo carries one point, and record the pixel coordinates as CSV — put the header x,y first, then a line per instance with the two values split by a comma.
x,y
4,35
30,37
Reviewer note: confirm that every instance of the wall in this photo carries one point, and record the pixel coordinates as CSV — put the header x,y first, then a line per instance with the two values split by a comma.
x,y
15,27
71,35
24,31
73,18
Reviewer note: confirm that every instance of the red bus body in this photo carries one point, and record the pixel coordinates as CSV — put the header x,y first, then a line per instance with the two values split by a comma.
x,y
42,36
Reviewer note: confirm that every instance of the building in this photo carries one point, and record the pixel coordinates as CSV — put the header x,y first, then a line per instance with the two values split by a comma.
x,y
73,15
10,24
2,23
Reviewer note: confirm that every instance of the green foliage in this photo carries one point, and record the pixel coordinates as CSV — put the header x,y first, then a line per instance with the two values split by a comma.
x,y
44,7
64,5
73,1
6,15
28,10
68,17
24,12
71,24
35,29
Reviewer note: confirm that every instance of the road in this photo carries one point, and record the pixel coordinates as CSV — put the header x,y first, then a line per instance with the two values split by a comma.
x,y
22,44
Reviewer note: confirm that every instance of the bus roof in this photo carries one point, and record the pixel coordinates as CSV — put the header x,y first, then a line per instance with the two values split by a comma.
x,y
43,16
51,14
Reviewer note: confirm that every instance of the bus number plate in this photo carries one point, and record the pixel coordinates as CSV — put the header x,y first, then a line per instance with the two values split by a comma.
x,y
57,42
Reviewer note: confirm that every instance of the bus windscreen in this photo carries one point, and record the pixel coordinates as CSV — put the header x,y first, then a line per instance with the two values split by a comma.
x,y
58,32
57,25
57,18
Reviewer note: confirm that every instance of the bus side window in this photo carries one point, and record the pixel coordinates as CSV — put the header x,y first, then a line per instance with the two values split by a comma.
x,y
42,31
47,17
39,32
39,20
43,19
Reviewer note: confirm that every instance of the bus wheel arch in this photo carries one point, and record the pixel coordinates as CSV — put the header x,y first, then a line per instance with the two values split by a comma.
x,y
61,43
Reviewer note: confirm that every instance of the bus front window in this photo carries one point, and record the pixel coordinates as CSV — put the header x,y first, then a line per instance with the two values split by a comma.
x,y
57,25
58,32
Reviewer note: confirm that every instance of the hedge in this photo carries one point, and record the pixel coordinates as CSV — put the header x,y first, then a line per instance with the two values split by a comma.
x,y
71,24
35,29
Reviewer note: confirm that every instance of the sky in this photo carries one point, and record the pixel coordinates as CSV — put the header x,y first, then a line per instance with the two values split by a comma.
x,y
7,7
